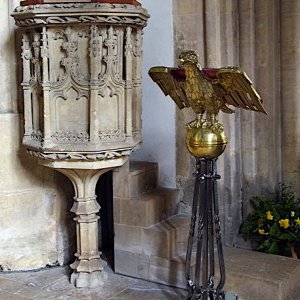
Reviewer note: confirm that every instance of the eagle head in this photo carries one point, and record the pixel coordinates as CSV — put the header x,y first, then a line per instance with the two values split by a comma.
x,y
190,56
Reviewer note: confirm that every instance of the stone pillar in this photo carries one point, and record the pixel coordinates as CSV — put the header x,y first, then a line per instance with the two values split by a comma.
x,y
222,49
8,103
188,34
261,135
88,265
216,40
243,33
290,91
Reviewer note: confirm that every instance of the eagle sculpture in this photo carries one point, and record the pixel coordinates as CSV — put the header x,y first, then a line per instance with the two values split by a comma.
x,y
206,91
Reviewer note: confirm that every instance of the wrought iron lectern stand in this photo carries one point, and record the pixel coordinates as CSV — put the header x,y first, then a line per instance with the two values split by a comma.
x,y
206,91
205,219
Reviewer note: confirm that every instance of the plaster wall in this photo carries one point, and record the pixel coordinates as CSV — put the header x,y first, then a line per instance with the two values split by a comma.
x,y
158,131
35,226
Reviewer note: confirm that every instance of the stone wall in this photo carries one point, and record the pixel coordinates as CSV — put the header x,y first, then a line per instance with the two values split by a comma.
x,y
35,224
261,37
290,89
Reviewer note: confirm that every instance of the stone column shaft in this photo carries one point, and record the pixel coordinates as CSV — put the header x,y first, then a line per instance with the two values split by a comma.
x,y
241,33
88,266
290,91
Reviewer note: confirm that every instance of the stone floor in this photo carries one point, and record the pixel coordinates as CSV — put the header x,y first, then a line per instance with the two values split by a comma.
x,y
53,283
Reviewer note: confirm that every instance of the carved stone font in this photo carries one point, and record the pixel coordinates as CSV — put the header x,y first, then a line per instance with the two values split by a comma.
x,y
82,101
81,77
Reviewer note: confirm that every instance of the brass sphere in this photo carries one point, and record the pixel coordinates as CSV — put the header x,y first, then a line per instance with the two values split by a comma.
x,y
205,142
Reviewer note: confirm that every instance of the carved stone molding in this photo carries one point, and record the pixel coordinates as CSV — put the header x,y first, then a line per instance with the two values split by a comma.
x,y
80,19
48,14
111,135
37,135
71,136
32,2
85,6
75,156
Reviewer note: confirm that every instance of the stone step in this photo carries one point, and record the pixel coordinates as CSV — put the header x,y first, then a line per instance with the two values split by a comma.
x,y
255,275
164,240
251,275
169,271
156,253
137,199
134,178
147,209
143,177
167,238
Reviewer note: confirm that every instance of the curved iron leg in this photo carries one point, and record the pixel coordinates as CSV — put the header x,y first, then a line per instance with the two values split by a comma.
x,y
218,237
211,282
190,283
205,208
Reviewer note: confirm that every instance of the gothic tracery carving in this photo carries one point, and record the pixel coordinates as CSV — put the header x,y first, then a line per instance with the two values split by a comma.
x,y
91,60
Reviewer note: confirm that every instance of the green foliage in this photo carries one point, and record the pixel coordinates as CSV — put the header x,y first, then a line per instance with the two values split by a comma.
x,y
274,223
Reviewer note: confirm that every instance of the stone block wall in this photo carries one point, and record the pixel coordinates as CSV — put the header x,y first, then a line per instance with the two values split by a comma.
x,y
35,224
150,237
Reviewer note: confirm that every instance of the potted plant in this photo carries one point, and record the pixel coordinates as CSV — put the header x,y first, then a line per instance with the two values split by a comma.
x,y
275,223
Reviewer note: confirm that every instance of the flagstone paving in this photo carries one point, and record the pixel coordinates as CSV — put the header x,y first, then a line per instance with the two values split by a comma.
x,y
53,283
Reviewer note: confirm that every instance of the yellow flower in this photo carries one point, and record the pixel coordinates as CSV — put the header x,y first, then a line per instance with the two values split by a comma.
x,y
285,223
269,215
298,221
261,231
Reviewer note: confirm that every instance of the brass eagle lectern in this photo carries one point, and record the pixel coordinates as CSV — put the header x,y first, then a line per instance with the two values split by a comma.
x,y
206,91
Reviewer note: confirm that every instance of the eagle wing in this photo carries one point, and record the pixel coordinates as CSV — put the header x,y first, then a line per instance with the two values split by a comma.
x,y
237,89
172,82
